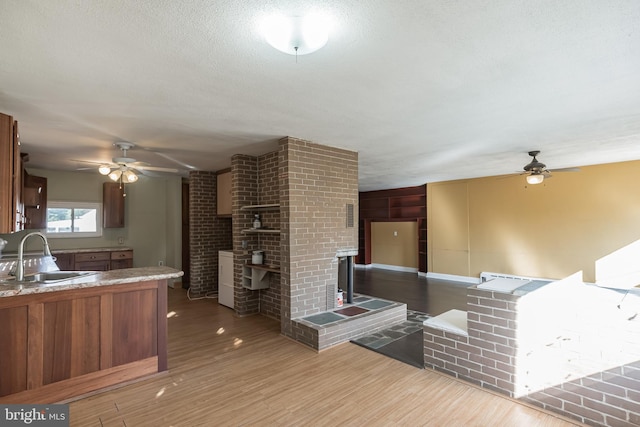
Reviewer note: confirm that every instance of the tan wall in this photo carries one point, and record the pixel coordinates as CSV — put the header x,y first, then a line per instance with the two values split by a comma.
x,y
565,225
391,249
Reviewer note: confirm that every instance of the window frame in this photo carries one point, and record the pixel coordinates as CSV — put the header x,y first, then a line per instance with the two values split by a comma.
x,y
75,205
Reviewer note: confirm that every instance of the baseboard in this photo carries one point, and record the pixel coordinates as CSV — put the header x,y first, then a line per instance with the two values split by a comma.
x,y
453,277
362,265
394,267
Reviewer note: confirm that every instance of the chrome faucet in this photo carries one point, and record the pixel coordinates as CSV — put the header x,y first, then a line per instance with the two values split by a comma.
x,y
19,273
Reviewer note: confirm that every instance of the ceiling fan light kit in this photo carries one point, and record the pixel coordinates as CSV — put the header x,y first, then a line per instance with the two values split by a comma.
x,y
535,178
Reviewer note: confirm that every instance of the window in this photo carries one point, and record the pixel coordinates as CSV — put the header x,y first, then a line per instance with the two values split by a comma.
x,y
74,219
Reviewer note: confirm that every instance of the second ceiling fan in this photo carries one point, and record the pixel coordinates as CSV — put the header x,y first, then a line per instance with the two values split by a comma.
x,y
537,171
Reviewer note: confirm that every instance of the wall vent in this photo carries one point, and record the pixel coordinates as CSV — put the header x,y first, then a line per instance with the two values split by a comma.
x,y
349,215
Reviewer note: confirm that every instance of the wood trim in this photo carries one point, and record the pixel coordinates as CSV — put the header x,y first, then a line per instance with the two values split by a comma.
x,y
35,352
67,389
163,309
106,330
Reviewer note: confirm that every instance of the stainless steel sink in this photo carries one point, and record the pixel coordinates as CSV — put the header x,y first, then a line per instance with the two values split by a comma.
x,y
43,279
56,276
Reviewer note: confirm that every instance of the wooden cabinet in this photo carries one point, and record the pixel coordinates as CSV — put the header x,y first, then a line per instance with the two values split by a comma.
x,y
65,261
121,259
11,211
112,205
61,344
95,261
223,193
35,201
92,261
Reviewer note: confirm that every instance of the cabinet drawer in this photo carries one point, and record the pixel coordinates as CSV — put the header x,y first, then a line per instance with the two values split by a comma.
x,y
121,255
92,256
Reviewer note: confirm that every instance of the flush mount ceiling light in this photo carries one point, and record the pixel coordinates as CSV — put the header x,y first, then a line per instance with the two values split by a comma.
x,y
296,35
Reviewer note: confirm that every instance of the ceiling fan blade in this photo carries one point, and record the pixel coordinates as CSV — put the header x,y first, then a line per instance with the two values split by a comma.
x,y
155,169
567,170
173,159
91,162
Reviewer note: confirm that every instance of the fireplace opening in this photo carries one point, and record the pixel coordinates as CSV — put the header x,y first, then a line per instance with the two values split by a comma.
x,y
345,272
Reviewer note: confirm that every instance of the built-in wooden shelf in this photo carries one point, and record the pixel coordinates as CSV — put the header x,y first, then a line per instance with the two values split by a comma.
x,y
256,276
267,207
266,267
261,230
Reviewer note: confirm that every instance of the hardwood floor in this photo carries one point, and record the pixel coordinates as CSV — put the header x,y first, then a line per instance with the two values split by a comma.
x,y
430,296
230,371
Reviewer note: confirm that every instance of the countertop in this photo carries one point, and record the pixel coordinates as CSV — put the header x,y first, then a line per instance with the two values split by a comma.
x,y
102,278
37,253
75,251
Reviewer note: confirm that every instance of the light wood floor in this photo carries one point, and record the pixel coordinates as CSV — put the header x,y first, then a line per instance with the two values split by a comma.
x,y
225,370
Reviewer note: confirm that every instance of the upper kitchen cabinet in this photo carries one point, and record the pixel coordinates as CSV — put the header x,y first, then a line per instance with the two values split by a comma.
x,y
223,193
11,207
112,205
35,201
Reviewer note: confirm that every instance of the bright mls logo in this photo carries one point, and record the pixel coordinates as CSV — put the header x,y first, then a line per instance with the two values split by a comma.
x,y
34,415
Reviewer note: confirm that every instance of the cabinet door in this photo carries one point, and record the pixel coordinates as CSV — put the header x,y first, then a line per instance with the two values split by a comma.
x,y
65,261
6,173
18,207
223,193
35,201
112,205
225,268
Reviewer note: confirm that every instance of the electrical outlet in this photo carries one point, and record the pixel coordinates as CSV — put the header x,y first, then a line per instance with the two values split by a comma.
x,y
160,263
121,240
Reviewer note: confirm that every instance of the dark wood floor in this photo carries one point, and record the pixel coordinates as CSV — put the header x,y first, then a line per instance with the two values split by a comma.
x,y
431,296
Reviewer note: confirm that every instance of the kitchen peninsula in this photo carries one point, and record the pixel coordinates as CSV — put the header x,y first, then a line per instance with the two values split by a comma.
x,y
70,338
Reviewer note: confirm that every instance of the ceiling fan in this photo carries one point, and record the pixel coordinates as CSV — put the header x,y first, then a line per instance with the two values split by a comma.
x,y
123,168
537,171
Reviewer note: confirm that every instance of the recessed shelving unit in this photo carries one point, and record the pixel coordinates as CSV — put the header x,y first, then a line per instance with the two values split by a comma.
x,y
400,204
256,276
261,208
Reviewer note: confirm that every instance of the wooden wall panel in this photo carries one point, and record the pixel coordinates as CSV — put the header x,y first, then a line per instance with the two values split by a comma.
x,y
71,338
85,336
13,350
135,328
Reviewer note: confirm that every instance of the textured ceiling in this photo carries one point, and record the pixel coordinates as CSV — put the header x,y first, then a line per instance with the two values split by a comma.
x,y
424,90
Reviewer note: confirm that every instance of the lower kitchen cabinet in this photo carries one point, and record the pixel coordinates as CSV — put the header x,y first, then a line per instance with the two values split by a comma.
x,y
121,259
92,261
95,261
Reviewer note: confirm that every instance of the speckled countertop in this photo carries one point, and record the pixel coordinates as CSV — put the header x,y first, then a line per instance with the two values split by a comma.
x,y
102,278
11,255
75,251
